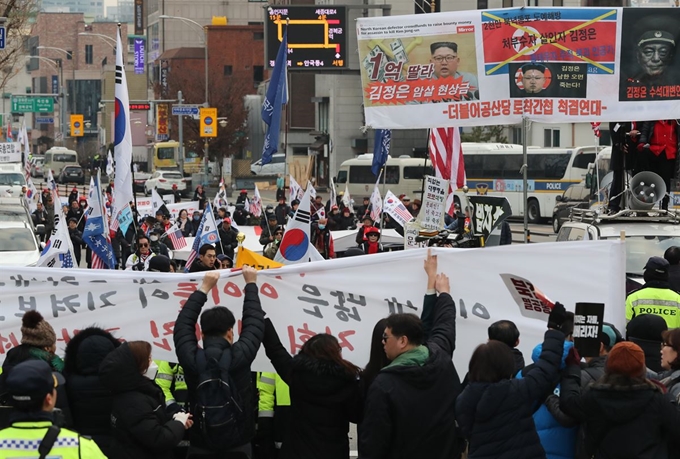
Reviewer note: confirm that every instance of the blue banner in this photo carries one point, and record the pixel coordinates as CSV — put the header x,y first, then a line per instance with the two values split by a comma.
x,y
277,95
381,149
140,54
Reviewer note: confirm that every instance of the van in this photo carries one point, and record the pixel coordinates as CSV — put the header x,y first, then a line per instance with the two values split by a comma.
x,y
58,157
11,179
404,175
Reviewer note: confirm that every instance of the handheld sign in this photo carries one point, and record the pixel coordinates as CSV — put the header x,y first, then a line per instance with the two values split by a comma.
x,y
588,320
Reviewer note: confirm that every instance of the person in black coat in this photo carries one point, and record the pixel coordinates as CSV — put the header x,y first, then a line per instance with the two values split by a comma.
x,y
672,255
140,426
281,211
494,412
193,225
217,329
646,331
625,414
76,239
200,196
409,408
325,396
228,242
623,158
89,400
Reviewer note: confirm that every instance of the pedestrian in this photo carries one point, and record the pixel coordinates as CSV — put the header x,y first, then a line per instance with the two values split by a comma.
x,y
76,239
74,211
141,427
367,222
183,221
89,399
325,396
625,414
495,410
155,244
206,259
372,243
176,193
273,415
647,332
670,362
672,255
234,358
39,216
420,383
506,332
281,211
346,221
280,187
200,196
159,264
364,209
228,238
656,296
193,225
139,261
32,389
272,248
242,197
224,262
294,204
321,238
267,235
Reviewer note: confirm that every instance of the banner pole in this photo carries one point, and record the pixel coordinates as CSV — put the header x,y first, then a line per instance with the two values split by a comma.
x,y
382,219
525,181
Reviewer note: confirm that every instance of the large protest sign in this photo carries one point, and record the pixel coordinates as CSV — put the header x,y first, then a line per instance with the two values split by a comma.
x,y
329,296
468,68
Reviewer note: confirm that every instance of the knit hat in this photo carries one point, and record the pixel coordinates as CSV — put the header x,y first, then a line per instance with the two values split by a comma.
x,y
626,358
35,331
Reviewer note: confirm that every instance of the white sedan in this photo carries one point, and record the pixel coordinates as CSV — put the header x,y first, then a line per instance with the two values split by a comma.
x,y
162,181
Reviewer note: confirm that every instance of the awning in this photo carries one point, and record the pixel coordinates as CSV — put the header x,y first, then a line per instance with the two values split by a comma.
x,y
318,144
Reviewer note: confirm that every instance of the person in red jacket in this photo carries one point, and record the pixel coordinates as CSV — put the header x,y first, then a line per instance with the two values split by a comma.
x,y
372,243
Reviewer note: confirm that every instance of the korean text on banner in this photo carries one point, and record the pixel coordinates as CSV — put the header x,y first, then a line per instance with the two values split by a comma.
x,y
431,215
303,300
475,68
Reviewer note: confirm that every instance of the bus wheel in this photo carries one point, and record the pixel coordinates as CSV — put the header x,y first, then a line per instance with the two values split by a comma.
x,y
534,211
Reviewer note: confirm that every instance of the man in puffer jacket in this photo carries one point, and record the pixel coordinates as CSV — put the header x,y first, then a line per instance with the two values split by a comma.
x,y
89,400
556,430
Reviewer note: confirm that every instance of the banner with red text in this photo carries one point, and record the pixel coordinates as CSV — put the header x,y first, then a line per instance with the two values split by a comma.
x,y
472,68
335,296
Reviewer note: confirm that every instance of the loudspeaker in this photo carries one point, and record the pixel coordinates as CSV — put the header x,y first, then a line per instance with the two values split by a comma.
x,y
646,189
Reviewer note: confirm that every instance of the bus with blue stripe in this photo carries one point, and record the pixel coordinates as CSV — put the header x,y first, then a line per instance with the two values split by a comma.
x,y
495,169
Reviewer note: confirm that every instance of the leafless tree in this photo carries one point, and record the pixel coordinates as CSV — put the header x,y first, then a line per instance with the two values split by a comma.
x,y
17,14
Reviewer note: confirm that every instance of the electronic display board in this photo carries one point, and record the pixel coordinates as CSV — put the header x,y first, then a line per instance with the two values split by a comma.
x,y
317,36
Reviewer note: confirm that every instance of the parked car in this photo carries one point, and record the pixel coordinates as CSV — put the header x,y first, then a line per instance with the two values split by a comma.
x,y
37,163
163,180
18,244
72,174
140,180
576,196
11,179
275,167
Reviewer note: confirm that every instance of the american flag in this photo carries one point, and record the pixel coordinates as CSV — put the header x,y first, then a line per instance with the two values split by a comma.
x,y
446,154
97,263
67,260
176,237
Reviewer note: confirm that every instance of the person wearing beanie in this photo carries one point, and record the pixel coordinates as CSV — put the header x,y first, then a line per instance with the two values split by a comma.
x,y
646,331
624,414
159,264
38,342
656,296
672,255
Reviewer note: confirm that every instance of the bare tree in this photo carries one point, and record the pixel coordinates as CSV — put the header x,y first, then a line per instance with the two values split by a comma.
x,y
17,14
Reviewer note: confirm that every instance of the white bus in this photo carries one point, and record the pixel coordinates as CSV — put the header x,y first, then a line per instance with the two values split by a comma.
x,y
494,169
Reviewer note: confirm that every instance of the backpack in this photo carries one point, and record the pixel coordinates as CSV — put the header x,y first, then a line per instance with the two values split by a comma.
x,y
219,413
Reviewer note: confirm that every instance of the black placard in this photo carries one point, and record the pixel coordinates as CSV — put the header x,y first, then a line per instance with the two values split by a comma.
x,y
317,36
588,319
488,212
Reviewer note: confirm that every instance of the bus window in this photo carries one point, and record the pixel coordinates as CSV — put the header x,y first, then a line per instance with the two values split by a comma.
x,y
474,166
417,172
342,177
190,154
166,153
548,166
363,174
493,166
581,161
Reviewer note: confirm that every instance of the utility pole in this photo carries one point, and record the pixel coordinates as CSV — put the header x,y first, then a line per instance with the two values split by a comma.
x,y
180,124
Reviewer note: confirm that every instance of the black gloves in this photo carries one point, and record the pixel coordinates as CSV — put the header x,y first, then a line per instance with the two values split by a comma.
x,y
557,317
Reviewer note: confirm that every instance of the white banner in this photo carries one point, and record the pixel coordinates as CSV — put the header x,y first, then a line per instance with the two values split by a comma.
x,y
483,67
332,297
190,206
431,214
10,152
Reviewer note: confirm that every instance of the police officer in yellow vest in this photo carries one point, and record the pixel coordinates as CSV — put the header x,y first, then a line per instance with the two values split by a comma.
x,y
170,378
656,296
272,421
33,390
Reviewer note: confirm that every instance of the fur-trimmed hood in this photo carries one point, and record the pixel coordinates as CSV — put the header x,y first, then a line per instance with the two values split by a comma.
x,y
87,349
620,399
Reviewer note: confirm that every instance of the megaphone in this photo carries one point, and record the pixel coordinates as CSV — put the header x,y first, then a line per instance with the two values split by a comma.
x,y
646,189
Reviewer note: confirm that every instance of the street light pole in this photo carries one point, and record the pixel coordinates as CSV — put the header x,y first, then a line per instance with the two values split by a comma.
x,y
59,65
73,68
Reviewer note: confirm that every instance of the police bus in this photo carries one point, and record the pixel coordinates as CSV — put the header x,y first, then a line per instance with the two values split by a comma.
x,y
495,169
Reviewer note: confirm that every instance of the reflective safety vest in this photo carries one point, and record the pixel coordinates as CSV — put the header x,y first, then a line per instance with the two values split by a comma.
x,y
170,378
273,392
662,302
22,439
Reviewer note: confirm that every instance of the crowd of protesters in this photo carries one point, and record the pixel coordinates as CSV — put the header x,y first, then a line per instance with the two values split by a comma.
x,y
109,398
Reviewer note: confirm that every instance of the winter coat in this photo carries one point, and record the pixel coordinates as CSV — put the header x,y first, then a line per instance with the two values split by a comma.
x,y
141,428
409,409
623,419
674,277
671,381
325,398
197,266
266,233
496,418
191,228
323,241
281,212
243,353
89,399
228,242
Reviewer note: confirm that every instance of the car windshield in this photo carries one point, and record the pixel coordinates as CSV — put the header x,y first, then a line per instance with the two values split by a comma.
x,y
12,179
172,175
640,248
13,215
17,239
64,158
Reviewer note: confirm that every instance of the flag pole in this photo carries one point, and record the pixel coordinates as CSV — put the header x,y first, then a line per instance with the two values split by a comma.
x,y
382,219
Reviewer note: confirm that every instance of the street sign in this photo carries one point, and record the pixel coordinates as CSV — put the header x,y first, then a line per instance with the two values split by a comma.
x,y
44,120
208,123
3,34
185,110
24,104
77,125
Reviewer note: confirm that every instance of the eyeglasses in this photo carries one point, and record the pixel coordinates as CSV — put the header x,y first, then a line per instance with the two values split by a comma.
x,y
144,245
449,58
278,234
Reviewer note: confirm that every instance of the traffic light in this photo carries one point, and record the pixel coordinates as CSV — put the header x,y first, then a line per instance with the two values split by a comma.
x,y
208,122
77,129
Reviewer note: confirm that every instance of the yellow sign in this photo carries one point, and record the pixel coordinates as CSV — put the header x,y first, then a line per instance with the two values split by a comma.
x,y
77,128
208,122
247,257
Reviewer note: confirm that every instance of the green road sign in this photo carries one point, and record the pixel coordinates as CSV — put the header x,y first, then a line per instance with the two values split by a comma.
x,y
24,104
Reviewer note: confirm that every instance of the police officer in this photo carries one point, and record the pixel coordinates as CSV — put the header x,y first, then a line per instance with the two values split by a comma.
x,y
273,414
170,378
33,389
656,296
